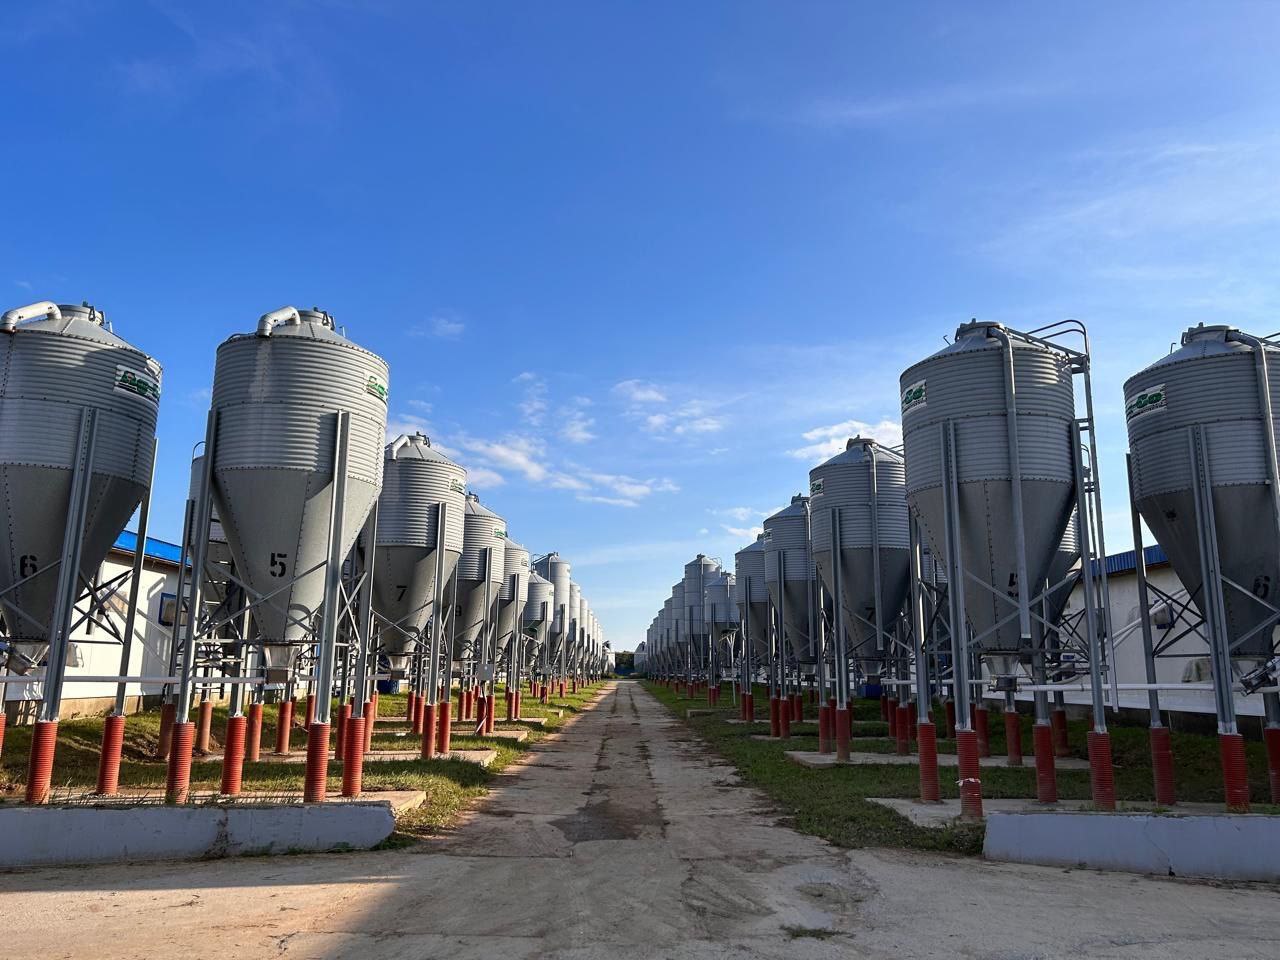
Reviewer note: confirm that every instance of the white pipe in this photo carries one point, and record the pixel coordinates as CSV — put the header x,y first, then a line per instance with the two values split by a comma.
x,y
13,317
268,321
211,682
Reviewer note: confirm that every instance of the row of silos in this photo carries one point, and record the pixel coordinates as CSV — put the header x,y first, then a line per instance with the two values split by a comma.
x,y
315,553
987,517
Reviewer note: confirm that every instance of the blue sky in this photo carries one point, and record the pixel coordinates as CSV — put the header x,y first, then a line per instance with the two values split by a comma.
x,y
641,265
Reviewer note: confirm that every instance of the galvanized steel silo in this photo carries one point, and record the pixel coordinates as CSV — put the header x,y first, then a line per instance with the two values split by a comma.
x,y
514,592
58,363
478,578
1202,407
417,480
868,525
752,595
962,394
789,573
277,394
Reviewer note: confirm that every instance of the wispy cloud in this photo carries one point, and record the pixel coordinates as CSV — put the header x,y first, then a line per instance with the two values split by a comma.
x,y
826,442
24,284
836,112
513,452
577,428
1168,207
447,328
639,391
533,401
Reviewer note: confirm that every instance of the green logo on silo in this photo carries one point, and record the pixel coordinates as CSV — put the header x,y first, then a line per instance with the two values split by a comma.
x,y
457,486
913,396
377,388
815,487
137,384
1151,400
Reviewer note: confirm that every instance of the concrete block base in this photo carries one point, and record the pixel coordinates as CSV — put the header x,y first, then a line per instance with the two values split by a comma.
x,y
1223,846
46,836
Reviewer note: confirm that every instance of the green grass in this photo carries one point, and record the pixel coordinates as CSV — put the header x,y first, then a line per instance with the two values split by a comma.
x,y
833,803
450,785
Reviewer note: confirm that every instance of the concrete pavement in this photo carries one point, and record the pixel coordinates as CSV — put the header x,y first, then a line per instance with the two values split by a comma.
x,y
623,838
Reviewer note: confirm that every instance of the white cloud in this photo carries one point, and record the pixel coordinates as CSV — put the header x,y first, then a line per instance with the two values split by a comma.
x,y
577,428
703,531
700,425
611,501
639,391
512,452
533,404
447,329
826,442
562,481
405,423
742,533
741,513
24,284
482,478
834,113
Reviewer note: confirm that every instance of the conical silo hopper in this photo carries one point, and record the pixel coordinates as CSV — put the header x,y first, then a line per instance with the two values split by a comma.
x,y
752,596
485,535
514,593
59,361
843,486
962,391
574,622
537,614
1210,386
786,552
1065,566
277,394
417,480
557,572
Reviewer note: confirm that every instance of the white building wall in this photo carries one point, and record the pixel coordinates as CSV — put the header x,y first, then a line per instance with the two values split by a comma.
x,y
96,652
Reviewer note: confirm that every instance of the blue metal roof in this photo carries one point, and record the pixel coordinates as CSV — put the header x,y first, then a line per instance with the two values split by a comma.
x,y
156,549
1125,562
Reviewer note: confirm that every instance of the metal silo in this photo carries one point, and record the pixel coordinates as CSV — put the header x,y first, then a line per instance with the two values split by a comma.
x,y
418,483
961,396
557,573
514,593
77,448
277,396
479,574
1203,475
865,488
537,614
789,574
752,595
995,459
62,368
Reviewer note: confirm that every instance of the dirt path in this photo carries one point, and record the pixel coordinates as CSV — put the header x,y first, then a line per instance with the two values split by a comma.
x,y
624,839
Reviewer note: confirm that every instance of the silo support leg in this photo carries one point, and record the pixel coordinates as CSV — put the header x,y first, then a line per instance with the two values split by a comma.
x,y
445,728
970,778
109,757
1235,774
1101,773
1046,769
927,738
1162,766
